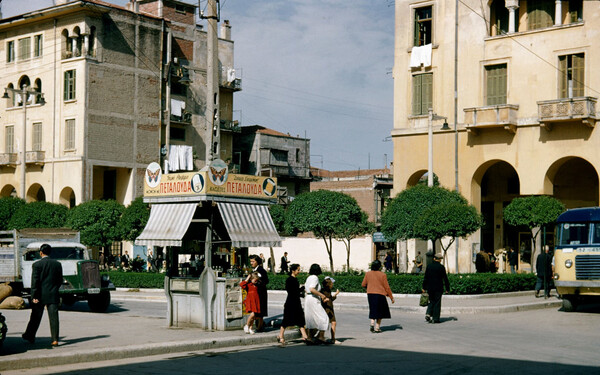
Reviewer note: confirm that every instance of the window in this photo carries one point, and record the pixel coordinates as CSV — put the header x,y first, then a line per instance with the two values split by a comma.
x,y
576,10
177,134
495,84
422,93
70,134
24,48
297,155
70,85
9,139
540,14
37,136
499,17
37,46
423,26
10,51
179,8
572,75
279,156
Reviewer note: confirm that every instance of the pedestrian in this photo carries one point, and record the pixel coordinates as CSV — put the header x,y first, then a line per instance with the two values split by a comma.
x,y
125,260
433,283
388,262
482,262
102,262
293,315
284,263
418,262
150,267
262,258
543,268
257,266
316,317
252,302
46,279
513,260
378,288
493,262
328,306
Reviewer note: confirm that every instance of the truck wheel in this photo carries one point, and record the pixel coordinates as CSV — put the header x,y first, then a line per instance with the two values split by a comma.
x,y
67,301
99,302
569,304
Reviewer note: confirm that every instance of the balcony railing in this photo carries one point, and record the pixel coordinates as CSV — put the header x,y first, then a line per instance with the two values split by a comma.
x,y
235,85
495,116
35,157
231,125
8,159
582,109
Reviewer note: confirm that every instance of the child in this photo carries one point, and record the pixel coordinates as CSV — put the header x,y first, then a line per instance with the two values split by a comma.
x,y
252,301
328,306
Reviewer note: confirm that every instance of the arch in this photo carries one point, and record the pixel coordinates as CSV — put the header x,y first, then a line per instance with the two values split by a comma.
x,y
420,176
574,181
24,83
67,197
8,191
11,94
35,193
37,86
91,48
78,40
67,51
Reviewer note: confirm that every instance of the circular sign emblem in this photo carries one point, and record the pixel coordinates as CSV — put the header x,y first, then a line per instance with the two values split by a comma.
x,y
217,172
197,183
153,173
269,187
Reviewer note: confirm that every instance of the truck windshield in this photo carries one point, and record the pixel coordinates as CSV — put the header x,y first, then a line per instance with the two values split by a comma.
x,y
574,233
58,253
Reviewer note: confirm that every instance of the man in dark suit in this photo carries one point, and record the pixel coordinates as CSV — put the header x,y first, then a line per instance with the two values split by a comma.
x,y
433,283
46,279
284,263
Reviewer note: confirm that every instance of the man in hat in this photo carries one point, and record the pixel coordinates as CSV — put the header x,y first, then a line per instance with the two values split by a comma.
x,y
433,283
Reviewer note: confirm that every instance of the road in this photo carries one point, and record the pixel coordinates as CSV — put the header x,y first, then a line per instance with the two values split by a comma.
x,y
544,341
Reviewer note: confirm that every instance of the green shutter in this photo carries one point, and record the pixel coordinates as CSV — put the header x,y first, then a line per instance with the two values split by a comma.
x,y
578,75
416,94
496,84
426,93
562,77
66,86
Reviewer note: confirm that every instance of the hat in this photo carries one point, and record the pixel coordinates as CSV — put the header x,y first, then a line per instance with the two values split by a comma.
x,y
330,278
438,256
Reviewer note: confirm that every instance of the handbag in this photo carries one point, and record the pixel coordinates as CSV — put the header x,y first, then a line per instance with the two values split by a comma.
x,y
424,301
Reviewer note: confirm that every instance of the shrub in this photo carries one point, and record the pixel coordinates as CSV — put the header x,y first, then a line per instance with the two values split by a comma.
x,y
137,279
39,215
8,207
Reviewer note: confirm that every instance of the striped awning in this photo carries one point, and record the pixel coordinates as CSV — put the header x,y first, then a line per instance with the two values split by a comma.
x,y
167,224
249,225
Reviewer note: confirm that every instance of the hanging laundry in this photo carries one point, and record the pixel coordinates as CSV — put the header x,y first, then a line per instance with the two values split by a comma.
x,y
421,56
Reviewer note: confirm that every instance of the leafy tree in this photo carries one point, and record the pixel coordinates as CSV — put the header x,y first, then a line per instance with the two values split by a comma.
x,y
535,211
133,220
447,219
352,229
39,215
8,207
324,213
97,221
278,215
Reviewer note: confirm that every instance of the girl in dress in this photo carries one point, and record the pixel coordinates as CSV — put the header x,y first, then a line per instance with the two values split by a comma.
x,y
252,303
316,318
293,315
328,306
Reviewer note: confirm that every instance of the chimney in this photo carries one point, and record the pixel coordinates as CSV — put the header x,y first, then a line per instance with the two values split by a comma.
x,y
225,30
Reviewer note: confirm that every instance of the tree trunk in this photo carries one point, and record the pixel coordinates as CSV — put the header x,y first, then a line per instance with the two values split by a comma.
x,y
329,248
347,243
272,260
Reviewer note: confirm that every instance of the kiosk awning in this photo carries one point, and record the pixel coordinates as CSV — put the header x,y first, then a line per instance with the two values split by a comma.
x,y
167,224
249,225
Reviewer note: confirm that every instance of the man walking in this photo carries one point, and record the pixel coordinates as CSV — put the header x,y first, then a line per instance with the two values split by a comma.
x,y
433,283
543,267
284,263
513,260
46,279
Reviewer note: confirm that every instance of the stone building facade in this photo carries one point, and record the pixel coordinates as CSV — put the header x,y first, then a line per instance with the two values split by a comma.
x,y
111,78
526,94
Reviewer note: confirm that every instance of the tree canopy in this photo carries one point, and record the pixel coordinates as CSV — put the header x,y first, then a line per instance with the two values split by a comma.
x,y
323,212
8,207
278,215
133,220
97,221
39,215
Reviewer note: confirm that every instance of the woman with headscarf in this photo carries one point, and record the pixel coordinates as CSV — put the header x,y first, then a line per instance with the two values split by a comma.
x,y
377,289
293,315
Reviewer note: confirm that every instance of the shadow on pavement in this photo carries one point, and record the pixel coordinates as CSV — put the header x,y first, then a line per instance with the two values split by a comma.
x,y
82,306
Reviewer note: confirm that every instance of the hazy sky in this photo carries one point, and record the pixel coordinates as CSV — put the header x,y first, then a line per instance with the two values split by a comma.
x,y
320,68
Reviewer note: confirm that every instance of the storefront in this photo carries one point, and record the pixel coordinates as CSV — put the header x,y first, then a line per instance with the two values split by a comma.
x,y
203,223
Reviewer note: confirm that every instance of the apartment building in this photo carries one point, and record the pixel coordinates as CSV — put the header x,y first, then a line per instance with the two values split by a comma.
x,y
94,92
526,94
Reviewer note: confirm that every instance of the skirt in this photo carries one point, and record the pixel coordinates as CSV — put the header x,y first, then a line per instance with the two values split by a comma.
x,y
378,307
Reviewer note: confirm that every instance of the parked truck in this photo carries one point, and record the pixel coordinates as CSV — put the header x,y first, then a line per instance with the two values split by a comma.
x,y
19,249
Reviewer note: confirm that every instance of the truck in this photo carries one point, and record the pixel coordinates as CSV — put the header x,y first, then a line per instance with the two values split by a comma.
x,y
19,249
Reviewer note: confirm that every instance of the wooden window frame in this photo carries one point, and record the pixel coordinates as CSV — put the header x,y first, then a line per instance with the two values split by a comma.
x,y
496,92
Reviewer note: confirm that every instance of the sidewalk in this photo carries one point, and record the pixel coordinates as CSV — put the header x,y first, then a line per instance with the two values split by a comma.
x,y
89,337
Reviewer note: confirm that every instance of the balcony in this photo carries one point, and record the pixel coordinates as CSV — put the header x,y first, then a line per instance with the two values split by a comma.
x,y
582,109
35,157
495,116
232,126
8,160
235,85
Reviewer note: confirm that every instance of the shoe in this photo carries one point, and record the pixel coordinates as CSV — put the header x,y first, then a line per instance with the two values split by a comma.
x,y
308,341
537,294
54,344
246,329
377,330
427,318
336,342
251,331
372,329
29,339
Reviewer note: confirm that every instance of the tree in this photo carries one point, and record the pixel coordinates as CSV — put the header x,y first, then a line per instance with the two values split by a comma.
x,y
447,219
8,207
97,221
324,213
535,211
39,215
133,220
352,229
278,216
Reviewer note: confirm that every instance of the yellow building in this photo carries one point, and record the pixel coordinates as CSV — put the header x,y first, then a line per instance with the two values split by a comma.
x,y
524,118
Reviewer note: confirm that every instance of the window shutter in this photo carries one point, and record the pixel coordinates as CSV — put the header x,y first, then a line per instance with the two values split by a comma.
x,y
66,86
416,94
562,77
496,84
427,93
578,75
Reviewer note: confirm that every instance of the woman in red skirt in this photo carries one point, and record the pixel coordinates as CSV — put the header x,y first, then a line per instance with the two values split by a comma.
x,y
252,302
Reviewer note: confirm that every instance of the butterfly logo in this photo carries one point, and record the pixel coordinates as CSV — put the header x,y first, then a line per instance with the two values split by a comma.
x,y
218,176
152,175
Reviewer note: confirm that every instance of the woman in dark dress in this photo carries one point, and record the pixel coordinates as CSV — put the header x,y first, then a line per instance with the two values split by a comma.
x,y
256,264
293,315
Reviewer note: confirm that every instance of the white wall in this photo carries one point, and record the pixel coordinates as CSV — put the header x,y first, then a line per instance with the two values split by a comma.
x,y
306,251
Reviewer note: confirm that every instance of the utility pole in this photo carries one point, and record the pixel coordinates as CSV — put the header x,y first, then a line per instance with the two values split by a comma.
x,y
213,126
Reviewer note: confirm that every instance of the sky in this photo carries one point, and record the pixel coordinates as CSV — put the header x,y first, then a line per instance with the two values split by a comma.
x,y
315,68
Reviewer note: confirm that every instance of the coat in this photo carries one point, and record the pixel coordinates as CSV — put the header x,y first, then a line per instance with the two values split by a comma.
x,y
46,279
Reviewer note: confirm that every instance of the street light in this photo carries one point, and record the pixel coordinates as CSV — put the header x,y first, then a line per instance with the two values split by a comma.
x,y
432,116
25,92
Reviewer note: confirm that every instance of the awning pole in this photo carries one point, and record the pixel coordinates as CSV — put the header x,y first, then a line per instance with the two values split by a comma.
x,y
208,242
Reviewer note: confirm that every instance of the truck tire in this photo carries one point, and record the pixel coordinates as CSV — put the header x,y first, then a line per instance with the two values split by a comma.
x,y
569,304
3,329
68,300
99,302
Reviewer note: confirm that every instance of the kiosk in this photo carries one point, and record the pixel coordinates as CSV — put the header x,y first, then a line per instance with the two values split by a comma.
x,y
202,223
